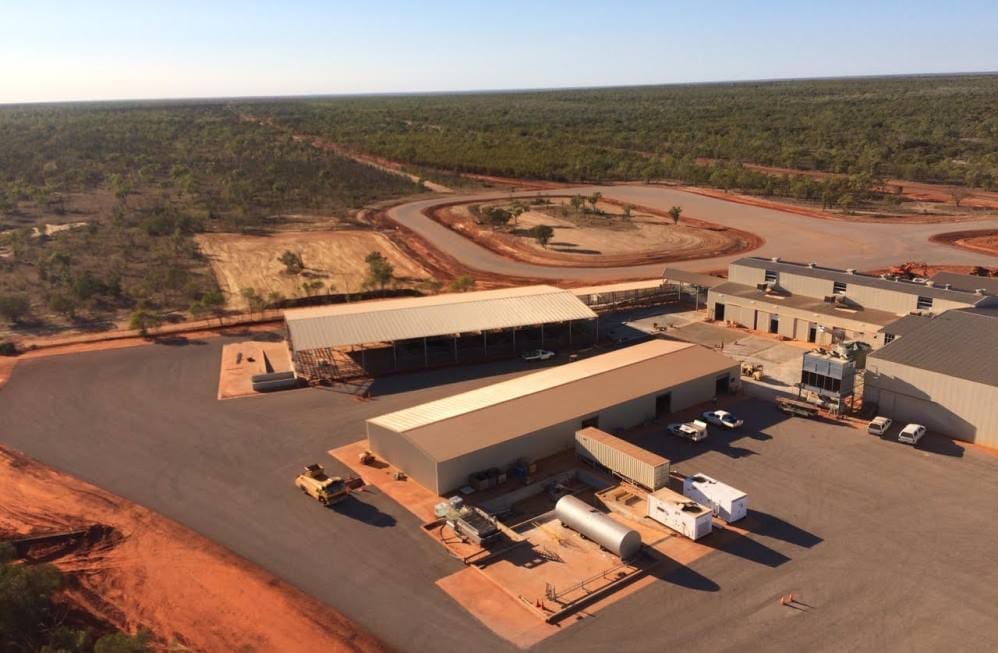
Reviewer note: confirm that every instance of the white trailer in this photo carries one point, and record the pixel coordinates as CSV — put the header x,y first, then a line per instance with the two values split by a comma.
x,y
680,513
725,501
622,458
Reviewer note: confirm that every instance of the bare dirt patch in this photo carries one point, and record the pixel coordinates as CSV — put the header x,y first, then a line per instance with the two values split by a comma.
x,y
336,258
146,571
648,236
980,240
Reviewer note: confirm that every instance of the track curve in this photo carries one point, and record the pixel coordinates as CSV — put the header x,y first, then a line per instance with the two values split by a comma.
x,y
788,235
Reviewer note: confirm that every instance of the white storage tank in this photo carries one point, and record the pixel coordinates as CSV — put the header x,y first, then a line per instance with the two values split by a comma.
x,y
727,503
629,461
598,527
680,513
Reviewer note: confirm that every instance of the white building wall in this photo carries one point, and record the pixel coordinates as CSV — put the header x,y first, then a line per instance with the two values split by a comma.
x,y
955,407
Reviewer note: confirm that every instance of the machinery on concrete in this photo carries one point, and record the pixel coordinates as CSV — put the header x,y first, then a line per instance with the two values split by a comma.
x,y
323,488
725,501
470,522
680,513
753,370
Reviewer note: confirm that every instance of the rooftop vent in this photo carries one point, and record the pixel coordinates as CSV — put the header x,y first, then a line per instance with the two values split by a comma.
x,y
980,291
945,286
850,270
930,283
810,265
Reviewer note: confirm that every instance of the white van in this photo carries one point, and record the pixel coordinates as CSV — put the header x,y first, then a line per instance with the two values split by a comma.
x,y
911,434
879,425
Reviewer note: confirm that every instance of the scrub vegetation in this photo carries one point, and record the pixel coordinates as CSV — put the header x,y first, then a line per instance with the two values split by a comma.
x,y
931,129
99,204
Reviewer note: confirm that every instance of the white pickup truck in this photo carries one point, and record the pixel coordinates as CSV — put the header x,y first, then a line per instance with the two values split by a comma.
x,y
693,431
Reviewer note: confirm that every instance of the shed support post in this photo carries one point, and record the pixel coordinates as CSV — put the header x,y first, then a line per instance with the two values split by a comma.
x,y
426,355
363,358
570,332
455,347
542,335
395,357
485,342
595,330
514,340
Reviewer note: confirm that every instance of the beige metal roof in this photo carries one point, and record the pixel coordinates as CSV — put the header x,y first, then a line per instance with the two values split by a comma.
x,y
695,278
450,427
648,284
386,320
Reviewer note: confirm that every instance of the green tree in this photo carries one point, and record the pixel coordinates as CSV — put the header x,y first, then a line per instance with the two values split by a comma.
x,y
380,271
542,233
25,603
675,213
628,208
292,262
122,643
14,307
255,302
846,202
142,319
463,283
594,199
577,202
497,217
314,286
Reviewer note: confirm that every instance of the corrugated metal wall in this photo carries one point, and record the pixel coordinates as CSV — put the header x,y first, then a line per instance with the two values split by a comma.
x,y
955,407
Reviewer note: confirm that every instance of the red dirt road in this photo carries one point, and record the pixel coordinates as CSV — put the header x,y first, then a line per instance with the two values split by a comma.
x,y
146,571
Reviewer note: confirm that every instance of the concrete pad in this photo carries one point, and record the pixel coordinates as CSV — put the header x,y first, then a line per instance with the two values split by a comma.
x,y
505,616
243,360
407,493
709,335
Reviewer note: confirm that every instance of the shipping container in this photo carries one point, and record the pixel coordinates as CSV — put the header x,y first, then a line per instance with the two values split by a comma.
x,y
680,513
725,501
622,458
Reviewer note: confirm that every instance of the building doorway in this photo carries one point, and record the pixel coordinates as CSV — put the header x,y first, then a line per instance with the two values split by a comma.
x,y
663,404
719,312
722,385
774,324
812,333
591,421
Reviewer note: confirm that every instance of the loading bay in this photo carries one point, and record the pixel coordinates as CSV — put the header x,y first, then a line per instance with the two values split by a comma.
x,y
884,546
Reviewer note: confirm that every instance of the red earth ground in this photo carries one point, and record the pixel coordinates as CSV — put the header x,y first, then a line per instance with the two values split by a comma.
x,y
141,570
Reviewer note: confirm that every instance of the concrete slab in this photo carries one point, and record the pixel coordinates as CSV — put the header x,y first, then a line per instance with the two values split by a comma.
x,y
505,616
243,360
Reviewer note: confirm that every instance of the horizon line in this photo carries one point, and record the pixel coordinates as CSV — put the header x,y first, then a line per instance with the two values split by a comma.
x,y
484,91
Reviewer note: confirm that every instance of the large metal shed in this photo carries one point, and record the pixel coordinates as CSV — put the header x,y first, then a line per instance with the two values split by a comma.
x,y
943,375
439,444
392,334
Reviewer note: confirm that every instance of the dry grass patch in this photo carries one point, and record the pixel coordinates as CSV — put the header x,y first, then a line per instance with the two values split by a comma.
x,y
335,258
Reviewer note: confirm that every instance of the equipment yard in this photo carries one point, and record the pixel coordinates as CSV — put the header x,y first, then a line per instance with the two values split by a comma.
x,y
872,559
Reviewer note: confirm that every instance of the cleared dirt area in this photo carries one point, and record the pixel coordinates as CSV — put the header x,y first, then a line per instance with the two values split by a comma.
x,y
334,258
141,570
603,239
982,240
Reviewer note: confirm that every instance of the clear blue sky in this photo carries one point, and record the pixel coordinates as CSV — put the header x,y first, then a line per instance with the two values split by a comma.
x,y
102,49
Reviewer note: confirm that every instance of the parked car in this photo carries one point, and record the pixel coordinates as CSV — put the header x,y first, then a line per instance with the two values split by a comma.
x,y
722,418
879,425
911,434
693,431
538,355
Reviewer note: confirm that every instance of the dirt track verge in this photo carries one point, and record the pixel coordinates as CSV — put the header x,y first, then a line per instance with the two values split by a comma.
x,y
738,242
138,569
826,215
975,240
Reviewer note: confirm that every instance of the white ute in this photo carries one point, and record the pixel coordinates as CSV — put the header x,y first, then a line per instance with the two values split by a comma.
x,y
538,355
879,425
911,434
722,418
693,431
